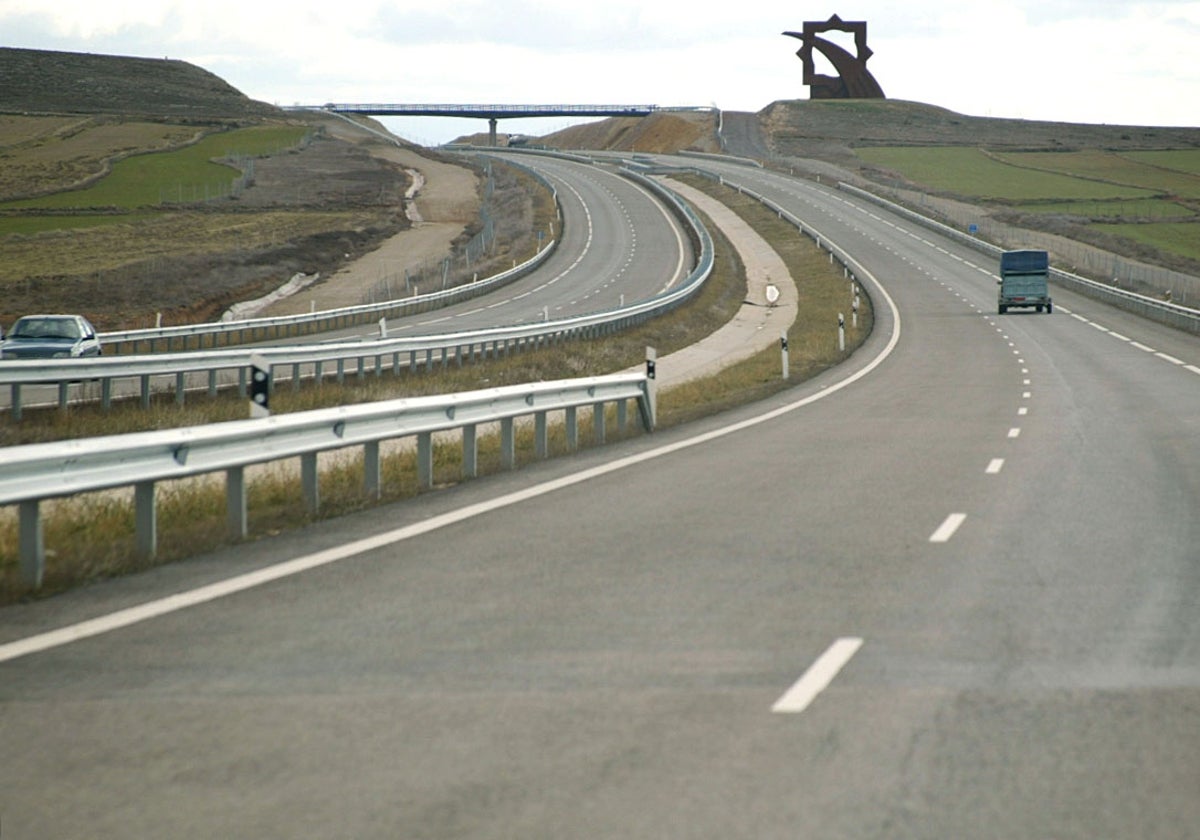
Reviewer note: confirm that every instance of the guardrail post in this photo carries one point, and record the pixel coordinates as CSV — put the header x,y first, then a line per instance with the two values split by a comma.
x,y
16,402
372,476
145,391
236,516
598,421
508,443
63,388
470,444
572,422
309,481
145,519
106,393
32,548
425,460
179,388
622,415
541,442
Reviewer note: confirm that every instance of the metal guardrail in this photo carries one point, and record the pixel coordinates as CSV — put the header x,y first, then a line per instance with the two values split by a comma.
x,y
181,337
315,360
34,473
1172,314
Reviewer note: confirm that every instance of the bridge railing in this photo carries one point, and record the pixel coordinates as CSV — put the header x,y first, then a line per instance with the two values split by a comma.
x,y
479,109
32,474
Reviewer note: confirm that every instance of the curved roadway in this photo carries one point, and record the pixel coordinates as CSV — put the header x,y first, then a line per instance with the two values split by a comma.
x,y
619,243
947,590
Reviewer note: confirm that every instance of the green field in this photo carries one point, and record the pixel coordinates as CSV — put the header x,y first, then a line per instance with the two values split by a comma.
x,y
1144,208
1164,176
1094,184
184,175
1181,238
1181,160
973,173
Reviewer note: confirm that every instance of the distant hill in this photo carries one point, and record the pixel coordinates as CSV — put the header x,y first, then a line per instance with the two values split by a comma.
x,y
46,82
893,122
831,129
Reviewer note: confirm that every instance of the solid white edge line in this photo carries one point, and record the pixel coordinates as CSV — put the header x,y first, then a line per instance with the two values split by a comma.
x,y
818,676
946,530
172,603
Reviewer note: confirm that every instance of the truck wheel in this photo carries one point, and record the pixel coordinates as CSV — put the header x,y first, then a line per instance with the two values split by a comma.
x,y
1049,308
1038,308
1003,309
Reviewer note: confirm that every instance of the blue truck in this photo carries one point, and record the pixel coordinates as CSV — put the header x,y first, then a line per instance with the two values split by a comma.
x,y
1023,281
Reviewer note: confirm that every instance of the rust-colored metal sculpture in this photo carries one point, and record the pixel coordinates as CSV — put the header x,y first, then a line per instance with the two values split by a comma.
x,y
853,80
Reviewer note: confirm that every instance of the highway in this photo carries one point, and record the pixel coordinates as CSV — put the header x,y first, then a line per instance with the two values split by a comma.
x,y
946,590
618,244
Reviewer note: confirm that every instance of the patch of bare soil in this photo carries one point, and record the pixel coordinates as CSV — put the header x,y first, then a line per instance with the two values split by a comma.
x,y
662,132
442,208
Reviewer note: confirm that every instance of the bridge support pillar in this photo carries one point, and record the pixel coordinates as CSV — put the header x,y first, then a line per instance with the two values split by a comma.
x,y
492,131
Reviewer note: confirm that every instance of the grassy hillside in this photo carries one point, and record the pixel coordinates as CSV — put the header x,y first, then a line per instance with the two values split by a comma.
x,y
46,82
134,186
1130,190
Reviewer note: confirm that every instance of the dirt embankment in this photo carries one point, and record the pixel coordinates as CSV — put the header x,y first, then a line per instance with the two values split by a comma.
x,y
442,207
662,132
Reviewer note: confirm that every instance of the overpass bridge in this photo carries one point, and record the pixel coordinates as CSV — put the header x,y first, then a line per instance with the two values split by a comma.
x,y
491,113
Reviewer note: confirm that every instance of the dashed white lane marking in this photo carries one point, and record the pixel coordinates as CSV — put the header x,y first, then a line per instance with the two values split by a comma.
x,y
1014,432
946,530
818,676
994,466
1143,347
1022,411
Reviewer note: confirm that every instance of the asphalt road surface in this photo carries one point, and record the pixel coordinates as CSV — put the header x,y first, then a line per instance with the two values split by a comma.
x,y
947,590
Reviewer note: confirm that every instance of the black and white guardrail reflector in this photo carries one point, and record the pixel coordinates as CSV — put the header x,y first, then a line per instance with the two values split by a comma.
x,y
260,386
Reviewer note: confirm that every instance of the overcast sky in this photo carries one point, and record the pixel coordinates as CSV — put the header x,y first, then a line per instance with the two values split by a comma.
x,y
1094,61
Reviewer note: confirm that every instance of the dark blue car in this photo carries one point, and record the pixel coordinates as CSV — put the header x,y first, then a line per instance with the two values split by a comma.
x,y
50,337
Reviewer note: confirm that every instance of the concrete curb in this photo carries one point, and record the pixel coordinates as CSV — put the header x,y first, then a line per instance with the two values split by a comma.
x,y
758,324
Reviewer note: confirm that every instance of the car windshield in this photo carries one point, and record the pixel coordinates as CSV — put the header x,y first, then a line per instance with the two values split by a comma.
x,y
61,328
